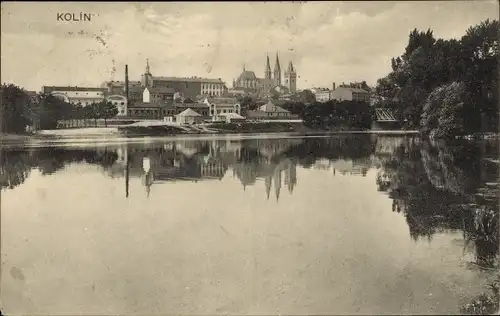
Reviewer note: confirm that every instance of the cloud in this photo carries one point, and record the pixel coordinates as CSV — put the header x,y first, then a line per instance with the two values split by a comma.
x,y
327,41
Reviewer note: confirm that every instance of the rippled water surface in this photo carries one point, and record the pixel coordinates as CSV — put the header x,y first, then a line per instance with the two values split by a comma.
x,y
337,225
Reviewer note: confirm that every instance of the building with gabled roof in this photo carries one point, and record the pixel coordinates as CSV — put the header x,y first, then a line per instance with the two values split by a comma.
x,y
188,87
189,116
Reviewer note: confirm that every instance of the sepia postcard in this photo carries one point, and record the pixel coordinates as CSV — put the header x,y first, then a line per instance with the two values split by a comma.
x,y
250,158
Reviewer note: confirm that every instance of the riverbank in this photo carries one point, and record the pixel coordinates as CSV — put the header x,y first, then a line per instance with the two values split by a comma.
x,y
160,129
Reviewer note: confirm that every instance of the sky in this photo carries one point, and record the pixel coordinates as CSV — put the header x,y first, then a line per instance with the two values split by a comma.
x,y
326,41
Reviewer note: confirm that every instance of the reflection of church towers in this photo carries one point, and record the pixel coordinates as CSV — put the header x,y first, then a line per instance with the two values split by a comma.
x,y
275,178
148,174
277,183
268,181
291,176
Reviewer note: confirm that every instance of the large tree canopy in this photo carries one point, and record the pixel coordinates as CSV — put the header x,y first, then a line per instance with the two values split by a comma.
x,y
430,65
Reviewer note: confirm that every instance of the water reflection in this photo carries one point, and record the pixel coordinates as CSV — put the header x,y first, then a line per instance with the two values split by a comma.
x,y
446,187
438,188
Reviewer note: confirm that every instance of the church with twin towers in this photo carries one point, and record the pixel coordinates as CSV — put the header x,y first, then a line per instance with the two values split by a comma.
x,y
273,80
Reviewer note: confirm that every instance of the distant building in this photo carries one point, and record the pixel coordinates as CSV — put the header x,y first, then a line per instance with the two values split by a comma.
x,y
269,111
159,111
158,95
120,102
350,94
221,105
77,95
321,94
118,87
271,81
187,87
189,116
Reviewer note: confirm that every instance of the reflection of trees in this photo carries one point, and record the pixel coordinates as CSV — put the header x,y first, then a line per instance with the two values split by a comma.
x,y
15,168
438,186
451,167
333,148
272,160
17,164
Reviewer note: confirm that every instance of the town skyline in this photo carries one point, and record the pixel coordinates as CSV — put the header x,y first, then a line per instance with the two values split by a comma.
x,y
327,42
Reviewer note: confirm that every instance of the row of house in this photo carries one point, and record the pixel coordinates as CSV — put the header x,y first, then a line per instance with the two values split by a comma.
x,y
197,113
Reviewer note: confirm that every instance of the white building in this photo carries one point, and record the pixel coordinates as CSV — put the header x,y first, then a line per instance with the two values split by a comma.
x,y
120,102
350,94
222,105
188,116
74,95
158,95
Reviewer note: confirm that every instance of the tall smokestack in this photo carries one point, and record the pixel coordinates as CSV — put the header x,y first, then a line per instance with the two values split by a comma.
x,y
333,86
126,82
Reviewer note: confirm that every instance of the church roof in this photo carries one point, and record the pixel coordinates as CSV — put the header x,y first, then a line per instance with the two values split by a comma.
x,y
247,75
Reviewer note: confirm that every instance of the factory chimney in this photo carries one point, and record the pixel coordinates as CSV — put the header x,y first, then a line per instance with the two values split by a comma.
x,y
126,82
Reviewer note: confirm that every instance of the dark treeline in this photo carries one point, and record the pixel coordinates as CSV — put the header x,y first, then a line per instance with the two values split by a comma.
x,y
446,88
336,114
43,111
17,164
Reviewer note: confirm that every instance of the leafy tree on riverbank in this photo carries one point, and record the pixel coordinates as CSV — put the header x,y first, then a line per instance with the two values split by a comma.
x,y
14,103
430,66
107,110
19,110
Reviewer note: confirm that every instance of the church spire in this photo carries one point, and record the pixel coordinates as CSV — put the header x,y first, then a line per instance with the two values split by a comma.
x,y
147,66
277,65
268,68
277,71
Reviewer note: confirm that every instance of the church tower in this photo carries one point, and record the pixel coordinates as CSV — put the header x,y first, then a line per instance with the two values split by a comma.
x,y
291,78
147,77
268,69
277,72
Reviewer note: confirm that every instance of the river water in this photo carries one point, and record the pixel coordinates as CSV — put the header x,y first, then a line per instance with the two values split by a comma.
x,y
322,225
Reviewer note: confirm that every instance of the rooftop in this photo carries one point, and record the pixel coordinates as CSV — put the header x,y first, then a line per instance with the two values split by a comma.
x,y
161,90
48,89
189,112
190,79
358,90
247,75
270,107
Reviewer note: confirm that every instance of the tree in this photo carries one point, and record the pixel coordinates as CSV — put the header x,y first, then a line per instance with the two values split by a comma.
x,y
247,102
14,112
428,64
93,112
306,97
49,110
107,110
